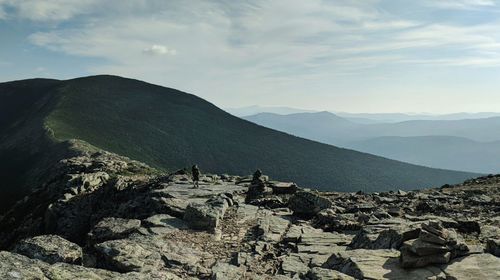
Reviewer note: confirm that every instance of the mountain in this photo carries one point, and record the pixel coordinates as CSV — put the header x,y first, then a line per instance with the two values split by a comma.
x,y
468,144
255,109
323,126
436,151
169,129
343,130
400,117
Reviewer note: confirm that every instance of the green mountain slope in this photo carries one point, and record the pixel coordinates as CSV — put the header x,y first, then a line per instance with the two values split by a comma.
x,y
169,129
436,151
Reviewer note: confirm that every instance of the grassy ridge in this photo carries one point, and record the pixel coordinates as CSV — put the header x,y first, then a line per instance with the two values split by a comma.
x,y
169,129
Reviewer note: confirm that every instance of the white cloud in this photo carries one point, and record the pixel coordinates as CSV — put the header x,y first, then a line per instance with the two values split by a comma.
x,y
159,50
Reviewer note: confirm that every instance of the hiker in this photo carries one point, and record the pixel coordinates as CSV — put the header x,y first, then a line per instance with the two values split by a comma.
x,y
195,171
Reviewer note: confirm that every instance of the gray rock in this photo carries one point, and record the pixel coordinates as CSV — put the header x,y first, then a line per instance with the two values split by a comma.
x,y
113,228
127,255
14,266
283,188
225,271
50,249
376,264
431,238
329,220
409,259
206,216
296,264
165,221
473,267
62,271
272,228
423,248
493,247
391,238
318,273
489,232
171,205
307,204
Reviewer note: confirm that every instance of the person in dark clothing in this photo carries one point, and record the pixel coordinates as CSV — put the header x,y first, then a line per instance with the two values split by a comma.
x,y
195,171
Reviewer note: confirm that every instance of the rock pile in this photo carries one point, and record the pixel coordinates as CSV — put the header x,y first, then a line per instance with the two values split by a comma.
x,y
102,216
435,245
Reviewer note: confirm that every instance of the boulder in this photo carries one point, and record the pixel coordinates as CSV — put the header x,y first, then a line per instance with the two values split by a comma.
x,y
164,221
207,216
376,264
50,249
473,267
295,264
409,259
422,248
61,271
318,273
329,220
283,188
308,204
271,202
225,271
493,247
391,238
127,255
113,228
272,228
14,266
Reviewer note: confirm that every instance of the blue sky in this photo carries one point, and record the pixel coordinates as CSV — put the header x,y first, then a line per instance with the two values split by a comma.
x,y
357,56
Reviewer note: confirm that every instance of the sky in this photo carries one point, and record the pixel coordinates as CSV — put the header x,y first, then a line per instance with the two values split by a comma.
x,y
433,56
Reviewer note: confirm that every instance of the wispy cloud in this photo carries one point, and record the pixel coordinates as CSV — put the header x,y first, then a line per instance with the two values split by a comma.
x,y
204,46
462,4
47,10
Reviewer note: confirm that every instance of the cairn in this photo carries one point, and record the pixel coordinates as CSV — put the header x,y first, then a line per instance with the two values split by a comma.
x,y
258,188
435,245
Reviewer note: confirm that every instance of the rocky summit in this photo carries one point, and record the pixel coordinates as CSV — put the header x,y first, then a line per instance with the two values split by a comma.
x,y
102,216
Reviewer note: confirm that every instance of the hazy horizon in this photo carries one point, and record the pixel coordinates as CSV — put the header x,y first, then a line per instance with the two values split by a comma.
x,y
315,110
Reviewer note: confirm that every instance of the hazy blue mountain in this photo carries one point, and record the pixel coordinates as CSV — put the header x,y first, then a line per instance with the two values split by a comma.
x,y
462,148
333,129
255,109
170,129
436,151
401,117
324,127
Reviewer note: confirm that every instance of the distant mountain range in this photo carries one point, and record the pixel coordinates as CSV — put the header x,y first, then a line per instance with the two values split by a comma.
x,y
363,118
255,109
468,144
399,117
169,129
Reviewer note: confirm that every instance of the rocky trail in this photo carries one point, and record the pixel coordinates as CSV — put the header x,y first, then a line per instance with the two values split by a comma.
x,y
103,216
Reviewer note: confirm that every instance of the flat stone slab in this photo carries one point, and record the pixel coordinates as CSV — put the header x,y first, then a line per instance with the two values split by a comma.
x,y
113,228
50,249
376,264
473,267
